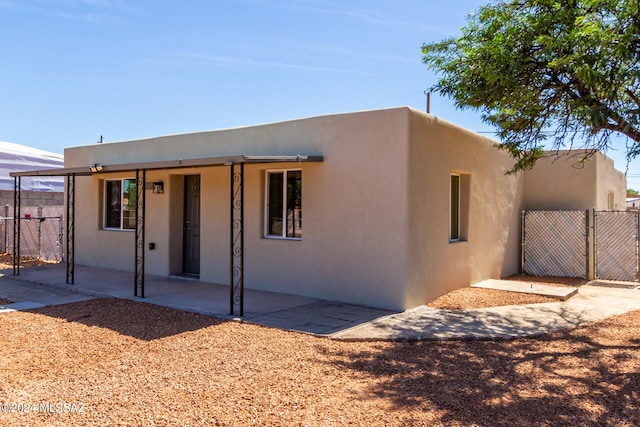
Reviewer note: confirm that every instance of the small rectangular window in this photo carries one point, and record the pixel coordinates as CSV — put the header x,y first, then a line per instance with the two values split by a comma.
x,y
284,204
454,219
611,201
120,204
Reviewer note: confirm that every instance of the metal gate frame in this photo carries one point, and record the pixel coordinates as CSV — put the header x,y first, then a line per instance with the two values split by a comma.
x,y
615,263
552,248
558,243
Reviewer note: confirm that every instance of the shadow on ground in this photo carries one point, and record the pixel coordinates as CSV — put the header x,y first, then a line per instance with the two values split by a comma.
x,y
588,376
136,319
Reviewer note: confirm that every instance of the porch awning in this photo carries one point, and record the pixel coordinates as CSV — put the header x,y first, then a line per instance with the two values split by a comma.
x,y
168,164
236,257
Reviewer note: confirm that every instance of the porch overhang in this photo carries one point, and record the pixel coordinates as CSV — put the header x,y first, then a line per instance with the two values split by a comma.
x,y
169,164
236,164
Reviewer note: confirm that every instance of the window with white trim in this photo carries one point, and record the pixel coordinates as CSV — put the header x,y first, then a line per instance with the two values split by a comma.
x,y
120,197
283,198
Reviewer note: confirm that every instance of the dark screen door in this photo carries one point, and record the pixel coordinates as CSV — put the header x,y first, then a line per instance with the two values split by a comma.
x,y
191,249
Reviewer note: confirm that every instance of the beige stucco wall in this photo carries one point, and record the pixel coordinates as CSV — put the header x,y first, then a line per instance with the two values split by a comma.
x,y
353,247
376,211
563,181
490,245
610,180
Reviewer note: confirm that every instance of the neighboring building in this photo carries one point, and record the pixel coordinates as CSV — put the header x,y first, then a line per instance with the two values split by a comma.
x,y
398,208
575,180
633,203
36,191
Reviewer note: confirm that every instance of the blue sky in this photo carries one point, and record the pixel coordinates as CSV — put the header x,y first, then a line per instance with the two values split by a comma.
x,y
72,70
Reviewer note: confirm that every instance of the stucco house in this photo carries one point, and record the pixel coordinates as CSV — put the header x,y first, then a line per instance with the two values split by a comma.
x,y
633,203
387,208
575,180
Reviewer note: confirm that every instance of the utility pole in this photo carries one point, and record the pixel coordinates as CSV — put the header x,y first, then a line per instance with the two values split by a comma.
x,y
428,101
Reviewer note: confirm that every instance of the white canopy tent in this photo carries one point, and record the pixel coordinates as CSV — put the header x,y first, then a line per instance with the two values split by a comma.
x,y
16,157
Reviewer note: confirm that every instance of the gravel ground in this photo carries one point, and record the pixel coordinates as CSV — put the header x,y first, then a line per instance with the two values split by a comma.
x,y
122,362
119,362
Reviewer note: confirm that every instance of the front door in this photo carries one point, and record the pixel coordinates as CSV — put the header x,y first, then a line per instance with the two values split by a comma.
x,y
191,245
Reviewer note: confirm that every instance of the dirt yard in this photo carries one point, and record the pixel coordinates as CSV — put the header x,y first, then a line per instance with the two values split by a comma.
x,y
118,362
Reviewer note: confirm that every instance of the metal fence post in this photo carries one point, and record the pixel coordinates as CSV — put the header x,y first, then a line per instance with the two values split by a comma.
x,y
6,215
40,219
587,245
637,245
60,237
522,243
595,244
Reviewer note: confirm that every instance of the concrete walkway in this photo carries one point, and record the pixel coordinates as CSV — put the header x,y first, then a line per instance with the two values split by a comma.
x,y
590,304
46,285
40,286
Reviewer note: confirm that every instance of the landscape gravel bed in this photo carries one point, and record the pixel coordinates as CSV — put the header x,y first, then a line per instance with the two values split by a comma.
x,y
125,363
468,298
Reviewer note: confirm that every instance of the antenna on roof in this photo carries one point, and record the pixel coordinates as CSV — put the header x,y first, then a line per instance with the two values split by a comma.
x,y
428,101
100,140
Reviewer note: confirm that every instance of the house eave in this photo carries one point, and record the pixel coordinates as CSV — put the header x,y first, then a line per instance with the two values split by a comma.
x,y
170,164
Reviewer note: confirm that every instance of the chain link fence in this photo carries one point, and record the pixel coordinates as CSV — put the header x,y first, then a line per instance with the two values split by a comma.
x,y
616,245
554,243
589,244
41,232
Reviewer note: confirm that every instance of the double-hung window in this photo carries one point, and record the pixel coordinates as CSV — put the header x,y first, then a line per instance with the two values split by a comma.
x,y
284,204
120,197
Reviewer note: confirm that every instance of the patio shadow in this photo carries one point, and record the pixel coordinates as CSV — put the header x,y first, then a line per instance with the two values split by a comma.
x,y
139,320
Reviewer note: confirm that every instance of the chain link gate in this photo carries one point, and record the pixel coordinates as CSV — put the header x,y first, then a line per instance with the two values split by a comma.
x,y
616,245
40,237
555,243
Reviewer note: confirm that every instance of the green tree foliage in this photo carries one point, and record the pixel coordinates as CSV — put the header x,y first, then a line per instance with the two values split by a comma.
x,y
547,71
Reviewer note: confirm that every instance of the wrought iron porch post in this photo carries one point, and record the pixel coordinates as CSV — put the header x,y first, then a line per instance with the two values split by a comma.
x,y
139,250
16,225
236,255
71,228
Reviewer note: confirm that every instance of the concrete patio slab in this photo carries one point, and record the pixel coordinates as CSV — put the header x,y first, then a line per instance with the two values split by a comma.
x,y
45,286
560,292
19,306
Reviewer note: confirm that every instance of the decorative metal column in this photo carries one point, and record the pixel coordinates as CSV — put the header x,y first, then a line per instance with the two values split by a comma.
x,y
16,225
71,228
236,255
139,251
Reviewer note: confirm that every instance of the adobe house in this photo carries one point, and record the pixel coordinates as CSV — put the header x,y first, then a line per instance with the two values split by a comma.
x,y
581,180
387,208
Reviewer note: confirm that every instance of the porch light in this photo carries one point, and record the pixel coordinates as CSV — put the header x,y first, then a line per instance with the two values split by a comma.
x,y
96,167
